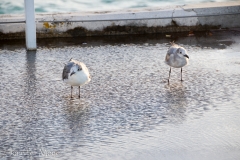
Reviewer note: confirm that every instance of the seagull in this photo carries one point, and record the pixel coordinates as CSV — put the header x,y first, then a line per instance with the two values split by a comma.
x,y
75,73
176,57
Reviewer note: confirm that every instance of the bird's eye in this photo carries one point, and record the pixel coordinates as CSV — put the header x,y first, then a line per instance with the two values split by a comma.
x,y
78,69
181,52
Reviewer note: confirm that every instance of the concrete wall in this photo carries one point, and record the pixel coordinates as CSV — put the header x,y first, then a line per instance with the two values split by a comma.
x,y
198,17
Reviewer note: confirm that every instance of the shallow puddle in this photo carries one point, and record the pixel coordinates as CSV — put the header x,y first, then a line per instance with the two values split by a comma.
x,y
127,111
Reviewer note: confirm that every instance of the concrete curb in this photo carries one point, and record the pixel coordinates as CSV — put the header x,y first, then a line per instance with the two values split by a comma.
x,y
133,21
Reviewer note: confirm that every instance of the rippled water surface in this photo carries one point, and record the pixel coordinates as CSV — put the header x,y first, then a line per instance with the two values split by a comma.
x,y
127,111
17,6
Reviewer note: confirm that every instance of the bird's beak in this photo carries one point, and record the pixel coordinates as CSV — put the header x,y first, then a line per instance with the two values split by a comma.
x,y
186,56
72,73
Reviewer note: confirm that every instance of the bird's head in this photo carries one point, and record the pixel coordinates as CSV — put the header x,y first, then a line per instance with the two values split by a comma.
x,y
182,52
75,68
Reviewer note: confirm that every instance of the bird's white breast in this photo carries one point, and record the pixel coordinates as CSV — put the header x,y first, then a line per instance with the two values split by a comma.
x,y
178,62
78,79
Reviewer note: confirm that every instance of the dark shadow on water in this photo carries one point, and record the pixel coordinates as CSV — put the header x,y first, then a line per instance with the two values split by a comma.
x,y
201,39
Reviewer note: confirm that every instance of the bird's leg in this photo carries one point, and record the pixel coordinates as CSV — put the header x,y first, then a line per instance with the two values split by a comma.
x,y
71,91
79,92
181,74
169,75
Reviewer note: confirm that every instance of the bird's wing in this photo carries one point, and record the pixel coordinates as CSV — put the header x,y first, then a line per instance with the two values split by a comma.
x,y
170,51
167,57
66,70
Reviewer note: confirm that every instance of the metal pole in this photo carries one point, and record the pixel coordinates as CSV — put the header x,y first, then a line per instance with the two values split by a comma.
x,y
30,27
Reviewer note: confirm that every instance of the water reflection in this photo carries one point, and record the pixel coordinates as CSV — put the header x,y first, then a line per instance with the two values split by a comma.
x,y
77,115
27,113
37,112
176,102
31,73
21,135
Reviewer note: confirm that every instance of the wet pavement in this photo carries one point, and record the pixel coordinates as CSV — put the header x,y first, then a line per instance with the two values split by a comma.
x,y
127,111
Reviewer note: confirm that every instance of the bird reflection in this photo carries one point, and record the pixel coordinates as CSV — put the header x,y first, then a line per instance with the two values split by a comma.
x,y
77,115
176,101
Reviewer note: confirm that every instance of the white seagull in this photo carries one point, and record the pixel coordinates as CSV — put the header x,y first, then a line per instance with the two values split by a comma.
x,y
176,57
75,73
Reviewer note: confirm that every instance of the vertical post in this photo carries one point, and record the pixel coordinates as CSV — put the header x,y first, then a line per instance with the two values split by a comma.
x,y
30,27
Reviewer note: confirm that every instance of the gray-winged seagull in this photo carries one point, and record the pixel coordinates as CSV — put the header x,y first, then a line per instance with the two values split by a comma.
x,y
75,73
176,57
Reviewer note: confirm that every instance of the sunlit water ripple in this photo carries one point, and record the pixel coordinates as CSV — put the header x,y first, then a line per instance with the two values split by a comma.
x,y
17,7
127,111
